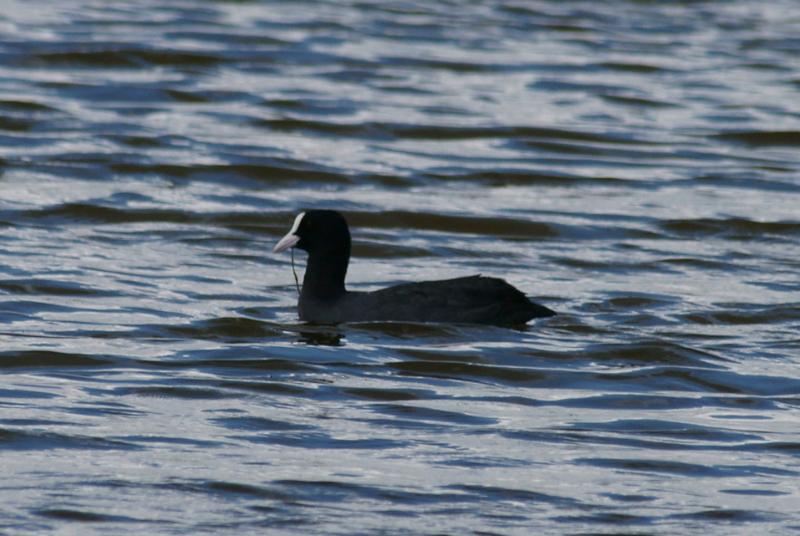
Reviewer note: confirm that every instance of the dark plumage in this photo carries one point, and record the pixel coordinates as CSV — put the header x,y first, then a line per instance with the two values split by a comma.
x,y
325,236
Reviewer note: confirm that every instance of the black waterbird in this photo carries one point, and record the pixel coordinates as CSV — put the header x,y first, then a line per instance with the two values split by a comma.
x,y
324,234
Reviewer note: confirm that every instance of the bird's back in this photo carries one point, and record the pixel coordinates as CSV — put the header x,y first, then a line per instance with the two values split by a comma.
x,y
475,299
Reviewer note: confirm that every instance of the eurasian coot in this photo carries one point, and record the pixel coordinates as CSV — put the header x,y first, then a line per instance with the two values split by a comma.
x,y
325,236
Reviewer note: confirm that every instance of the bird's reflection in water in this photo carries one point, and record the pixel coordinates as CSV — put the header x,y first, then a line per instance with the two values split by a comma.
x,y
320,337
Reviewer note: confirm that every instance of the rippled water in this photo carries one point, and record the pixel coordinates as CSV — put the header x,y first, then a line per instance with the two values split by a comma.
x,y
632,165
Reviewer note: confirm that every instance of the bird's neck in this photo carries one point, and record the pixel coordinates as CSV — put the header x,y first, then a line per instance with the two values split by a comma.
x,y
325,273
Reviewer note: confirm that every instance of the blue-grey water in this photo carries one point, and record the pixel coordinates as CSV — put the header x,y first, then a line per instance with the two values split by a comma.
x,y
633,165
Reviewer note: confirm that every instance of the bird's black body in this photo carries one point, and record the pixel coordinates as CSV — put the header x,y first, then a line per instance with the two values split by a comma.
x,y
325,236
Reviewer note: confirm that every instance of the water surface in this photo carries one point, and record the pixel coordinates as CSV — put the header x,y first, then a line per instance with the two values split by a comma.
x,y
632,165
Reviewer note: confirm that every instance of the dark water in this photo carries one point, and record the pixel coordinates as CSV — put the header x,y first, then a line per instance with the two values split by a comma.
x,y
633,165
